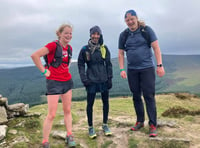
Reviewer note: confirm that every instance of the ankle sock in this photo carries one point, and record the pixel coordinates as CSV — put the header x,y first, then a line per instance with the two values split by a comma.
x,y
69,133
44,141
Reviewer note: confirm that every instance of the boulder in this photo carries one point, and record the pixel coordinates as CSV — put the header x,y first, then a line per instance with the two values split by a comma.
x,y
3,115
19,109
3,129
3,101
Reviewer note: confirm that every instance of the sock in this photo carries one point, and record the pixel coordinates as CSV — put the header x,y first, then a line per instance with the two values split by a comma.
x,y
44,140
69,133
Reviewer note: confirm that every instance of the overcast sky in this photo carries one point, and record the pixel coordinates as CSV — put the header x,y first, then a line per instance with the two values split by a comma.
x,y
27,25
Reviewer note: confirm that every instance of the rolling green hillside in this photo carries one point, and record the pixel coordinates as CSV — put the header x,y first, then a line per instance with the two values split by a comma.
x,y
27,85
178,125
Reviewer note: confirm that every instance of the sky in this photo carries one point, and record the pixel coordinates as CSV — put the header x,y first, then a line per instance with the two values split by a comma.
x,y
27,25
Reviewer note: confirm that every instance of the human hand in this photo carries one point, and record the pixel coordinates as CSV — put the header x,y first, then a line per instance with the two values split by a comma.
x,y
160,71
123,74
48,73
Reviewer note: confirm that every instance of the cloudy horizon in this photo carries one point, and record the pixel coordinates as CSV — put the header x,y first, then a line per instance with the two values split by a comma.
x,y
29,25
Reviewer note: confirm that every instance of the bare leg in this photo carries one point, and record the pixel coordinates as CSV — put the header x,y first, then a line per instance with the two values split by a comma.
x,y
52,107
66,101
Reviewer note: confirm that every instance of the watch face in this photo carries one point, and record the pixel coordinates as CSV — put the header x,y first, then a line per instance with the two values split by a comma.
x,y
160,65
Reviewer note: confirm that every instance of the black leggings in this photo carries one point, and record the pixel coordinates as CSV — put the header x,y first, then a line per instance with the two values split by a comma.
x,y
90,103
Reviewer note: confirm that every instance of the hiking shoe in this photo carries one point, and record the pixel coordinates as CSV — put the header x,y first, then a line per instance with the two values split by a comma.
x,y
106,130
92,133
70,141
137,126
152,131
46,145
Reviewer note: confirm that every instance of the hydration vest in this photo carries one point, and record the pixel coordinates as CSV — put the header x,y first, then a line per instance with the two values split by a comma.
x,y
58,56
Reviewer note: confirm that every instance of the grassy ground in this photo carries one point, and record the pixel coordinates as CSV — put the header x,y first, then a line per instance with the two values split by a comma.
x,y
121,118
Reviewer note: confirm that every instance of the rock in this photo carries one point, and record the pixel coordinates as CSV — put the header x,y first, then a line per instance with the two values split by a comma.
x,y
3,129
59,134
186,141
19,109
16,107
14,132
18,140
33,114
162,123
3,115
3,101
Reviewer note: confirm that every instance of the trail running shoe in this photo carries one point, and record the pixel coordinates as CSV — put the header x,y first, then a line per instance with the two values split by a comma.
x,y
152,131
92,133
70,141
46,145
106,130
137,126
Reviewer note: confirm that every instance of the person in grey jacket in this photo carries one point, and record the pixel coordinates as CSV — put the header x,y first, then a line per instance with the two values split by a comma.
x,y
97,77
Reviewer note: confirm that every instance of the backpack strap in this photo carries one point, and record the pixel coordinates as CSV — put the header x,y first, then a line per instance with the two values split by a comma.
x,y
145,35
103,51
69,52
124,36
144,32
58,56
87,53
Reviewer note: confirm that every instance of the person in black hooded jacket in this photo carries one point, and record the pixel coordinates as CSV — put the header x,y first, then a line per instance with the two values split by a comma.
x,y
96,77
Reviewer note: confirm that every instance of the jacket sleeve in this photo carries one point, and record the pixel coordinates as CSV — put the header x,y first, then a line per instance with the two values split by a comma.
x,y
81,66
108,64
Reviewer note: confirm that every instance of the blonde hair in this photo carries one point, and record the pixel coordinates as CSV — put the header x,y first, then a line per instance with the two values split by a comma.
x,y
141,23
61,28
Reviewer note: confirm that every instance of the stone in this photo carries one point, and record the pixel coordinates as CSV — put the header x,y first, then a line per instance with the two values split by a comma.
x,y
12,131
59,134
3,101
3,115
3,129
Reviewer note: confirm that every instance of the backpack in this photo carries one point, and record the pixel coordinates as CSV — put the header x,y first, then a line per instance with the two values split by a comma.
x,y
57,60
144,33
102,49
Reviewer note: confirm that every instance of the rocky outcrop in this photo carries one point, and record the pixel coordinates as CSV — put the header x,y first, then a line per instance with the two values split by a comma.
x,y
10,111
3,129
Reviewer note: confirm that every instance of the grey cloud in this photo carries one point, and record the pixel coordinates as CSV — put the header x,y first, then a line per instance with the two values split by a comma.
x,y
28,25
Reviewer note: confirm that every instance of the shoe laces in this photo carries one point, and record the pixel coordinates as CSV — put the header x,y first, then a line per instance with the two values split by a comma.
x,y
91,130
152,127
105,127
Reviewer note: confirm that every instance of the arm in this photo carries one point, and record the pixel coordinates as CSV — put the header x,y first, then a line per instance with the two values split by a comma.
x,y
36,59
160,70
121,63
81,67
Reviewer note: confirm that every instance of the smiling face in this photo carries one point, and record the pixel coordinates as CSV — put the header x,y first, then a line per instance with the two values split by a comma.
x,y
65,35
95,37
131,21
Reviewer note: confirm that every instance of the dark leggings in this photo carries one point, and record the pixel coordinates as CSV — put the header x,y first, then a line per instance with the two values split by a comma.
x,y
90,103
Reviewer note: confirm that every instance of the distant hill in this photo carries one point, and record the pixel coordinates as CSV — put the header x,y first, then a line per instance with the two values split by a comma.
x,y
27,85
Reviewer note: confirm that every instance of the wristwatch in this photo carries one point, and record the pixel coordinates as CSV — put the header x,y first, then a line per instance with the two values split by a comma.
x,y
160,65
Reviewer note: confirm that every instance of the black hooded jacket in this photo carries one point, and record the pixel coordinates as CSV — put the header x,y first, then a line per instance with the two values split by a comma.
x,y
98,69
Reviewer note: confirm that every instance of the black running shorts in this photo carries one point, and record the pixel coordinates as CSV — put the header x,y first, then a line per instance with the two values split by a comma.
x,y
58,87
